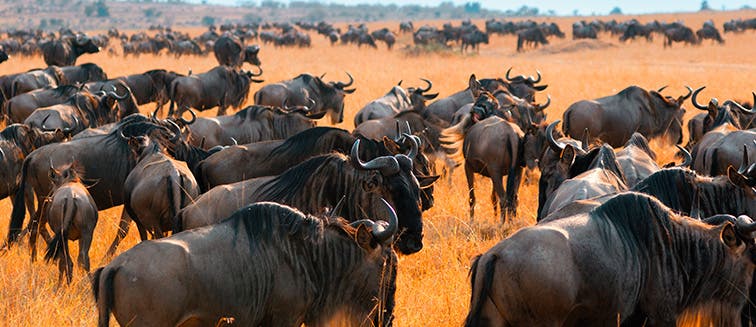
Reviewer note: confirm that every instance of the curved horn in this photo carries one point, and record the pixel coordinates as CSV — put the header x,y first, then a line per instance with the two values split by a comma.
x,y
430,85
661,89
535,81
43,122
409,128
258,74
153,116
283,104
694,99
383,234
541,107
414,146
188,122
398,132
687,158
400,83
740,107
744,163
175,129
745,225
554,144
351,81
388,165
116,96
310,102
690,91
507,75
321,76
233,140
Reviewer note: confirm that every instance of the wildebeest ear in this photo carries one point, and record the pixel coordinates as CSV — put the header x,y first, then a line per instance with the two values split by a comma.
x,y
364,237
474,86
568,155
728,236
427,181
736,178
390,145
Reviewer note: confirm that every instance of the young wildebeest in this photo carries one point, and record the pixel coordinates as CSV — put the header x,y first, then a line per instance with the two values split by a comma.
x,y
72,215
156,189
631,257
267,265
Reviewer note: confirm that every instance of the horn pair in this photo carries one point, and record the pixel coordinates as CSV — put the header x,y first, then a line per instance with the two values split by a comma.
x,y
387,165
529,78
382,233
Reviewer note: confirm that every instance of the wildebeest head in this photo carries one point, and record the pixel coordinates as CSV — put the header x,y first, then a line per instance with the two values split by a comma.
x,y
485,104
745,176
393,178
250,54
332,96
3,55
85,44
409,144
71,172
524,87
669,112
418,97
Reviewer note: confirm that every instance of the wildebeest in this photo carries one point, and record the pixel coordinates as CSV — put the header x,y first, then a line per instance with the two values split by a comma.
x,y
18,108
491,146
406,27
151,86
3,55
220,87
230,51
604,175
583,31
319,183
80,112
106,161
613,119
83,73
252,124
637,160
630,257
730,112
532,35
155,190
299,91
37,79
396,100
473,39
386,36
271,265
708,31
65,51
72,215
680,34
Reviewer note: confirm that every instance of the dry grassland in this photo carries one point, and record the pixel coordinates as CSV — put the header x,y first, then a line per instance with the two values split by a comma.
x,y
433,288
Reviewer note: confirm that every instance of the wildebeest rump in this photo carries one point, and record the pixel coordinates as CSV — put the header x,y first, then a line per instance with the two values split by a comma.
x,y
266,265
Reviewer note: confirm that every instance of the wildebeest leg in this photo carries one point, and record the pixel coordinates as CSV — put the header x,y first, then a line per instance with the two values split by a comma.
x,y
471,189
35,224
85,242
222,110
498,191
494,201
123,229
513,186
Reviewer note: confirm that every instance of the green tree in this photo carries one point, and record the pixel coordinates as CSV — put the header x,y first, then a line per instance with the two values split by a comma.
x,y
705,5
616,11
208,20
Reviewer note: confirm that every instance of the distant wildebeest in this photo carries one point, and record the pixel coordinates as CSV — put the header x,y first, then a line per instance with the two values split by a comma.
x,y
583,31
618,262
299,91
396,100
220,87
680,34
83,73
533,36
320,182
473,39
708,31
252,124
65,51
72,215
406,27
265,260
230,51
386,36
613,119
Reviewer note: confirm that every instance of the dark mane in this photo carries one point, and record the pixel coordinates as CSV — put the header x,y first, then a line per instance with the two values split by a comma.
x,y
641,142
306,78
679,187
599,157
65,90
313,139
253,112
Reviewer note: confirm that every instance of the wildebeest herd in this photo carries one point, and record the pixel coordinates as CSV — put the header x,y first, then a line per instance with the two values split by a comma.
x,y
274,220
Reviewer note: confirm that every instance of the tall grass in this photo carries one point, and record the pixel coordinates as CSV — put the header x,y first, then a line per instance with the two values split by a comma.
x,y
433,288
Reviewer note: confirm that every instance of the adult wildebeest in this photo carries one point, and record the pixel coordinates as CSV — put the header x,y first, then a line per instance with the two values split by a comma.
x,y
83,73
230,51
18,108
473,39
37,79
220,87
680,34
80,112
491,146
64,52
395,101
613,119
270,265
583,31
155,211
729,112
72,215
603,176
106,161
532,35
299,91
406,27
252,124
630,257
151,86
708,31
637,160
319,183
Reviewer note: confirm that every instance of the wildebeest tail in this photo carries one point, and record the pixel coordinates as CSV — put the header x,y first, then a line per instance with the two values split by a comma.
x,y
476,304
56,249
172,96
452,139
102,289
19,207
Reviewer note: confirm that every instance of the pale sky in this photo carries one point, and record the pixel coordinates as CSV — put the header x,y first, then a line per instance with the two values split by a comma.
x,y
563,7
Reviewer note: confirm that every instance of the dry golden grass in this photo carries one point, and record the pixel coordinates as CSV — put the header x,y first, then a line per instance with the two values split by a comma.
x,y
433,289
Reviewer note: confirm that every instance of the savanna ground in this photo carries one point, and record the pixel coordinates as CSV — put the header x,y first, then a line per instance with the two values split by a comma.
x,y
433,287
